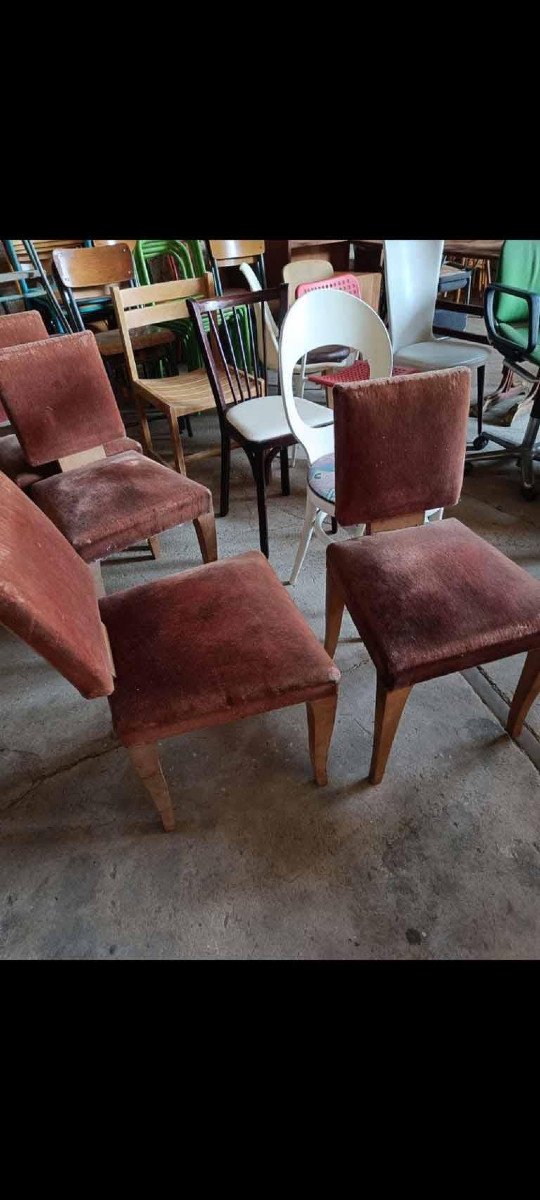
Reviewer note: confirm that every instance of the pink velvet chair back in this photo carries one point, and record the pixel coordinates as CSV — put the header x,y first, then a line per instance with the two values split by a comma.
x,y
16,328
343,283
400,444
47,594
58,397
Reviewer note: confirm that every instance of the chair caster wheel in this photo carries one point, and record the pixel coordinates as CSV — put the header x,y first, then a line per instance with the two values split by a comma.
x,y
528,493
481,441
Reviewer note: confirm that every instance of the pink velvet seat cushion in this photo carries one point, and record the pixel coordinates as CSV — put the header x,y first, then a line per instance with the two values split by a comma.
x,y
110,504
434,599
15,466
214,644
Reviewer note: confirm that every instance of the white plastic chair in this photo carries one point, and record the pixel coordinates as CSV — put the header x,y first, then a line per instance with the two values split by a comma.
x,y
412,271
318,318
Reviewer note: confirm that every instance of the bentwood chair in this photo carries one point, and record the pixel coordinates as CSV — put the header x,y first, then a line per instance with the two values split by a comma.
x,y
412,271
177,396
166,654
317,316
247,414
18,329
62,407
426,599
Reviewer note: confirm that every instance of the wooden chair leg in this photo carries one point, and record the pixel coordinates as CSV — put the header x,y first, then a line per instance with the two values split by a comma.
x,y
285,480
176,442
321,715
97,579
155,546
205,528
525,694
146,436
335,604
388,709
145,759
256,459
225,475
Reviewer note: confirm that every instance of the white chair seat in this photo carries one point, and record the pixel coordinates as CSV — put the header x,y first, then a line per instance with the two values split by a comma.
x,y
440,353
262,419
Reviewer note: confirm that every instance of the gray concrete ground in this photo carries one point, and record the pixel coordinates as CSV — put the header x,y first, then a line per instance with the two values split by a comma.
x,y
442,860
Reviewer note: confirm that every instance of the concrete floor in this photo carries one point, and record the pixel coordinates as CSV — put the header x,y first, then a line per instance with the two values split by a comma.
x,y
442,860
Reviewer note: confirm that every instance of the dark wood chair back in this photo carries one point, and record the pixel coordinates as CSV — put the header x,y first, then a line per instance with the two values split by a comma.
x,y
230,331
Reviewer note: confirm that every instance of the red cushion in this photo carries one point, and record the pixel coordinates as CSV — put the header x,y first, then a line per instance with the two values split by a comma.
x,y
355,374
58,397
213,644
47,595
435,599
15,466
112,503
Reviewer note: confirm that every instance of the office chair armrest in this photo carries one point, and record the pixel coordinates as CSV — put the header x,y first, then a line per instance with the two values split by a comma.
x,y
506,345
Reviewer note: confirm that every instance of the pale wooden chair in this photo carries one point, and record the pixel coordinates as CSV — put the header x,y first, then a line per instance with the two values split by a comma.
x,y
176,396
227,253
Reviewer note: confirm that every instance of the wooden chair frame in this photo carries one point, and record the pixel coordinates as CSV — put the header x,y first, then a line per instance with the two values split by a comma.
x,y
176,396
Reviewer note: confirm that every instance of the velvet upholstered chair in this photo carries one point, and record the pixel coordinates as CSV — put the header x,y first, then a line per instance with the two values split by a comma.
x,y
17,329
61,404
427,599
166,653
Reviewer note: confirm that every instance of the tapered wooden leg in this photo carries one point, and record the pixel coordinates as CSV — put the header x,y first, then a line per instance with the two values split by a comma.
x,y
321,715
388,710
146,436
97,579
205,528
334,614
176,442
285,480
225,475
145,759
257,466
525,694
155,547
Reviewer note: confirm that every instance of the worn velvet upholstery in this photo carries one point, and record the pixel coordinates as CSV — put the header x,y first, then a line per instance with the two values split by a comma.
x,y
384,465
433,599
47,595
216,643
15,466
58,397
110,504
17,328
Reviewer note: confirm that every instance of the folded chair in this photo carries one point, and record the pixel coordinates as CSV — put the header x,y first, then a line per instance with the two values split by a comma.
x,y
167,654
427,599
62,407
17,329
